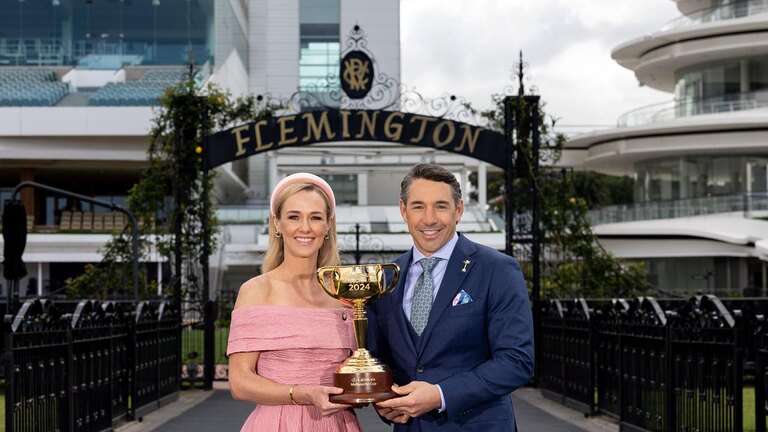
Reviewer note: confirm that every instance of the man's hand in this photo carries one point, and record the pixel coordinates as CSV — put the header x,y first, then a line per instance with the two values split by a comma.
x,y
417,398
392,415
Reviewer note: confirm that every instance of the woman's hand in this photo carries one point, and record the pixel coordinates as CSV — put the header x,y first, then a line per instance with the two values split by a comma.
x,y
319,397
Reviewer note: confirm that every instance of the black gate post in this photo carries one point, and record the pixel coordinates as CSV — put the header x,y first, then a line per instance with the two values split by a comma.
x,y
357,243
521,123
208,309
177,230
532,104
509,175
670,410
10,375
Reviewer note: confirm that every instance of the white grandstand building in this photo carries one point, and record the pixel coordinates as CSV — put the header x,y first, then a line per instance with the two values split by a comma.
x,y
700,161
79,82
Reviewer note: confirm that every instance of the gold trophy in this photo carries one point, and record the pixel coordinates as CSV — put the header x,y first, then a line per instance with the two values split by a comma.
x,y
364,378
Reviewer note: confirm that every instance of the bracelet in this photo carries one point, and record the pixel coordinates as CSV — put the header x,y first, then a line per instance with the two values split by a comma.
x,y
290,394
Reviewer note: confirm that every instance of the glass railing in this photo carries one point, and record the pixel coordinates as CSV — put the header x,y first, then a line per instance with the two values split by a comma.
x,y
243,214
674,109
719,13
745,203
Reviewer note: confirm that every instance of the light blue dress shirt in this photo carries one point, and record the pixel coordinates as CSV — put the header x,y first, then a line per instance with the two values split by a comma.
x,y
415,270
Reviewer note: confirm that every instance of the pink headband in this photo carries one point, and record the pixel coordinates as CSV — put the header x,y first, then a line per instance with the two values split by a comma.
x,y
303,178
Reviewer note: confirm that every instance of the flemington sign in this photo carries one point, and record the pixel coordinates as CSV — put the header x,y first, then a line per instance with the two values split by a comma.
x,y
354,125
357,77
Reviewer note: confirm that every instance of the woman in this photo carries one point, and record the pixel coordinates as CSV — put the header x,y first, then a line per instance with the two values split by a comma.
x,y
287,335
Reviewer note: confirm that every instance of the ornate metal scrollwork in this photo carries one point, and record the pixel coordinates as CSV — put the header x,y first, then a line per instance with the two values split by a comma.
x,y
372,249
386,93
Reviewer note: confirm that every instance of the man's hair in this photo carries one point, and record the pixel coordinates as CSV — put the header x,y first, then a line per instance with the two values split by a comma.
x,y
430,172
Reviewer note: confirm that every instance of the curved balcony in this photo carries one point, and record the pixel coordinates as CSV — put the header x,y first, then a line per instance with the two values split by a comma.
x,y
656,58
751,205
666,111
719,13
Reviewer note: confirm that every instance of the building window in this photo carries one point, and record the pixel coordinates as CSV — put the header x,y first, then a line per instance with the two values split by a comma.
x,y
319,45
105,34
699,176
344,187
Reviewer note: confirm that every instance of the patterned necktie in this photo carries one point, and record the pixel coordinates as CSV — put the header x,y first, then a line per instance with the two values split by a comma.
x,y
422,295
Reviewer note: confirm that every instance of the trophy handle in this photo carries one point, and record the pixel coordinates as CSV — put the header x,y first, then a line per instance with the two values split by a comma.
x,y
396,270
321,273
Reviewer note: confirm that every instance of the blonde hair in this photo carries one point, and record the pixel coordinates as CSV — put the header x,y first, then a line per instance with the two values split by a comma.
x,y
275,254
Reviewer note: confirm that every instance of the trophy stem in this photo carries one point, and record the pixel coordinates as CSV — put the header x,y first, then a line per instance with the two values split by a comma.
x,y
360,323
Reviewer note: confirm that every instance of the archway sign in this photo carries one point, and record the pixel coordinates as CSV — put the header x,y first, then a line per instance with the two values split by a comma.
x,y
358,105
327,125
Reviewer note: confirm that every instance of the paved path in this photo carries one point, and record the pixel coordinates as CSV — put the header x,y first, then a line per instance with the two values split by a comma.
x,y
198,411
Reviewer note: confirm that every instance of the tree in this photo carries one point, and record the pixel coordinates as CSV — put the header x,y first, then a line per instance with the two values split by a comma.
x,y
574,262
171,191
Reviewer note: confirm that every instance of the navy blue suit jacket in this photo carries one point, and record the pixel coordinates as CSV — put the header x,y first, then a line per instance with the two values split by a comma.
x,y
477,352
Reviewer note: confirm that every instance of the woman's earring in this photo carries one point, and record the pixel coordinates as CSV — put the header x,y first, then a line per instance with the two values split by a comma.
x,y
327,236
278,234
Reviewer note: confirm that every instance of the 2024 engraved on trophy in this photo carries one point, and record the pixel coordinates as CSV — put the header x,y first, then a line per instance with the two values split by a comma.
x,y
364,378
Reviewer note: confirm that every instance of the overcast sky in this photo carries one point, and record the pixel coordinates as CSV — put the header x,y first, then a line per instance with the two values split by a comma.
x,y
469,48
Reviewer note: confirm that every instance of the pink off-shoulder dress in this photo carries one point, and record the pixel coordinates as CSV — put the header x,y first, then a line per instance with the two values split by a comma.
x,y
297,346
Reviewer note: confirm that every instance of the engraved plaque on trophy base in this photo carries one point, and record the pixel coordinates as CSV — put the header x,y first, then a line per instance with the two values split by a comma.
x,y
364,380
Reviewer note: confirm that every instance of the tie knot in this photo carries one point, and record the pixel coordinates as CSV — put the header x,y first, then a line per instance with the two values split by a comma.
x,y
428,264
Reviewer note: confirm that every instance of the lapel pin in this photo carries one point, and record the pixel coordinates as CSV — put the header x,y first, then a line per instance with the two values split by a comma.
x,y
466,263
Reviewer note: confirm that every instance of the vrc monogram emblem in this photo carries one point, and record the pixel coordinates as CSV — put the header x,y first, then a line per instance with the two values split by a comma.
x,y
356,74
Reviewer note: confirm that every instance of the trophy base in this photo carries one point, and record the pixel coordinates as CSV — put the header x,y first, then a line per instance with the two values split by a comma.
x,y
364,379
363,387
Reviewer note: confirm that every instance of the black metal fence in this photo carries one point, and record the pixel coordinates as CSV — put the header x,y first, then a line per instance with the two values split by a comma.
x,y
658,365
85,366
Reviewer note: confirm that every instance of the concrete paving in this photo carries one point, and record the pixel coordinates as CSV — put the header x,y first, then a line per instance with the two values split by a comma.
x,y
198,410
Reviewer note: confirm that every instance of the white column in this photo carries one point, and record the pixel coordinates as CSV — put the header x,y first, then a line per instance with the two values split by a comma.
x,y
39,279
362,189
744,76
482,185
647,183
464,182
748,189
682,173
159,275
272,160
765,282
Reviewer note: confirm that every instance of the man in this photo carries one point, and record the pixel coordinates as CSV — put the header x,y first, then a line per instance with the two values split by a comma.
x,y
460,339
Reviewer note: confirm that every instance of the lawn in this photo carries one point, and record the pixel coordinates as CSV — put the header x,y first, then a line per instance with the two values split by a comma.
x,y
192,340
748,408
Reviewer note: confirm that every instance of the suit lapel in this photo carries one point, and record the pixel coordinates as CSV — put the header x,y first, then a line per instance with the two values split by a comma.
x,y
449,287
404,262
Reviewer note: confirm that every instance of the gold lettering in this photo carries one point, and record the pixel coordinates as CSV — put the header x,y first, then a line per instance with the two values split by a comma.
x,y
359,287
240,139
436,134
259,142
314,129
345,124
422,129
285,130
369,122
393,132
469,138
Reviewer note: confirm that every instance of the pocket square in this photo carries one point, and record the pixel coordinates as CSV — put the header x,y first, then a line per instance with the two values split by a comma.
x,y
461,298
